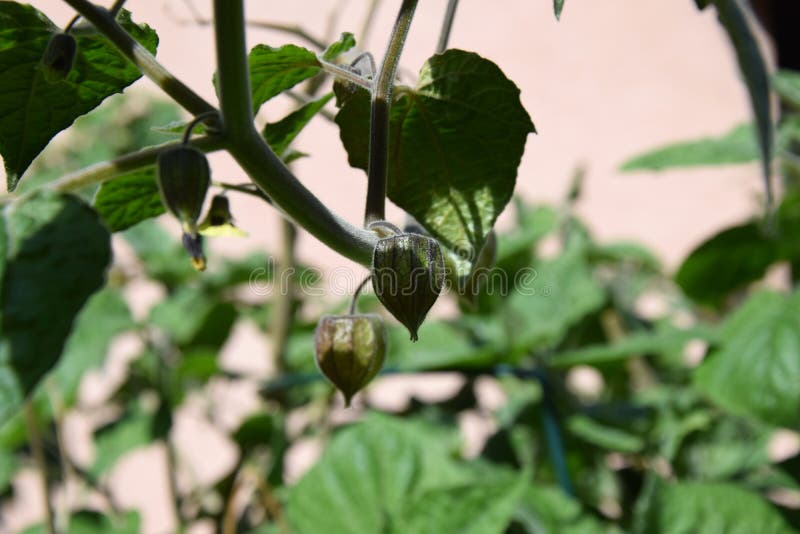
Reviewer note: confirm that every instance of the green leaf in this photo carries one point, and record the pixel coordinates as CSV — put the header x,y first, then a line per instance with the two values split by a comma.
x,y
55,252
345,43
280,134
33,110
274,70
481,507
550,298
754,70
558,6
369,473
754,372
112,442
737,146
549,510
91,522
663,341
183,314
787,84
728,261
104,316
129,199
603,436
689,507
457,138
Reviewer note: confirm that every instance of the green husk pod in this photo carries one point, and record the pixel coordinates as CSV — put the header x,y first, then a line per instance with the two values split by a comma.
x,y
350,350
408,273
183,180
58,57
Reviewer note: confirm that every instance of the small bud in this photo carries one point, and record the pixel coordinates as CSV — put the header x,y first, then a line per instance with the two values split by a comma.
x,y
58,57
183,180
350,350
408,273
219,220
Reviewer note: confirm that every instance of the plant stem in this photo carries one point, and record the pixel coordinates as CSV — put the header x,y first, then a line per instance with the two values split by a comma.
x,y
379,116
37,448
447,26
283,304
254,155
105,22
346,74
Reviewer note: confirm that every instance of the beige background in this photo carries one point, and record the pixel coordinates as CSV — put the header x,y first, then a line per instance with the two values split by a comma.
x,y
613,78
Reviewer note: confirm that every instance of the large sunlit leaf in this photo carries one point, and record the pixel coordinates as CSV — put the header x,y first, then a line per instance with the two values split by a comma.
x,y
755,371
53,255
33,110
455,138
369,474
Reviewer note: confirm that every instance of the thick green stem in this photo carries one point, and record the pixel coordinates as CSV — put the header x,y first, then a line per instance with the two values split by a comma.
x,y
254,155
447,26
379,116
105,22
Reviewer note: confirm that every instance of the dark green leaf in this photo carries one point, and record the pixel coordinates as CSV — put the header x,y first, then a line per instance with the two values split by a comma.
x,y
737,146
55,252
33,110
456,138
787,85
755,371
690,507
558,6
128,200
280,134
345,43
274,70
728,261
754,70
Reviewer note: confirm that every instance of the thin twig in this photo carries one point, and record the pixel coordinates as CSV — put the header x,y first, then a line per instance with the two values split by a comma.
x,y
291,29
115,7
105,22
447,26
366,26
379,116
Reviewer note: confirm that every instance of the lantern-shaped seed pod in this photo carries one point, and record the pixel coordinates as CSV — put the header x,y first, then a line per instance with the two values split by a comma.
x,y
183,180
408,273
350,350
58,57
